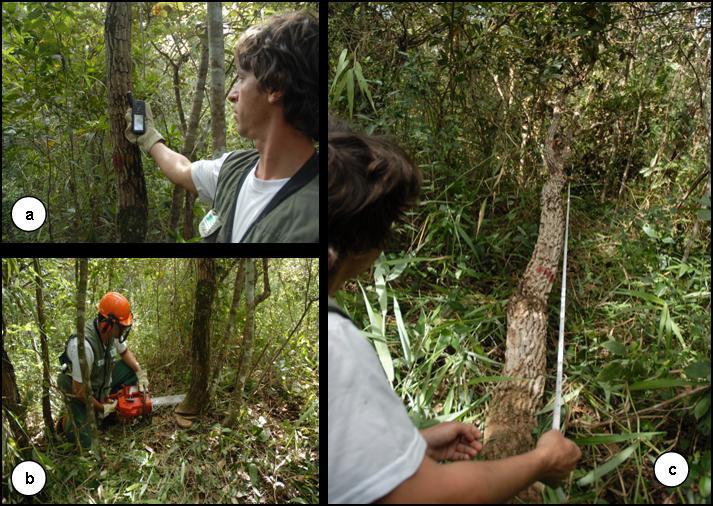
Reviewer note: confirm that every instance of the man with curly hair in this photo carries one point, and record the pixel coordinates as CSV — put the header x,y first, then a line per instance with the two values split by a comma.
x,y
376,453
270,193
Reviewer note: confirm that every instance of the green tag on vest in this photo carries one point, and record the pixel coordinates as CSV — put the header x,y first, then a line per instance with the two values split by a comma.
x,y
209,224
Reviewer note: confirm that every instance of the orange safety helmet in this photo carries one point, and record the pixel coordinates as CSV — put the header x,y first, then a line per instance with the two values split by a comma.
x,y
115,306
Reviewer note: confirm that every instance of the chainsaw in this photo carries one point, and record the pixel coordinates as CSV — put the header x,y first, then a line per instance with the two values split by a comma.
x,y
130,403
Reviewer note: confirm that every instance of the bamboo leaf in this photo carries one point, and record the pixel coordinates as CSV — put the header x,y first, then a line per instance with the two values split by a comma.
x,y
608,467
403,335
350,90
379,339
598,439
481,214
341,65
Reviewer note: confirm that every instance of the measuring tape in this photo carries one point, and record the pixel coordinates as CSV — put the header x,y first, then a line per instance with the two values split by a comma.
x,y
560,348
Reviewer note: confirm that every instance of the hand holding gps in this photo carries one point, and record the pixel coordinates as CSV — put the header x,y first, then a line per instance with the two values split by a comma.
x,y
138,114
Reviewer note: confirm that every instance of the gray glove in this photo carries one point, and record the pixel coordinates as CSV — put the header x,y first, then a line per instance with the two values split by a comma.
x,y
150,137
143,380
109,408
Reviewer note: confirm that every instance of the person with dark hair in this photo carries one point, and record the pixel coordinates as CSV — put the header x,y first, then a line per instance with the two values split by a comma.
x,y
376,454
371,182
271,193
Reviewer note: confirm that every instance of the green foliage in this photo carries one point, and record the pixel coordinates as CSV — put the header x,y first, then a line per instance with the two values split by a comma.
x,y
345,76
467,90
157,462
54,108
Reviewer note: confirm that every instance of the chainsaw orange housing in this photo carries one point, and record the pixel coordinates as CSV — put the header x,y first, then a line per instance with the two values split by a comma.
x,y
132,403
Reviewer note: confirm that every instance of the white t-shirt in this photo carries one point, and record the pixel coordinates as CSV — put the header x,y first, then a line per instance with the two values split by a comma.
x,y
372,446
253,197
73,355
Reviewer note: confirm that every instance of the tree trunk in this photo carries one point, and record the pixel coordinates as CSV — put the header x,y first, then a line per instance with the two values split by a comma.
x,y
246,349
197,397
84,367
11,401
232,317
189,145
216,57
41,323
510,418
126,158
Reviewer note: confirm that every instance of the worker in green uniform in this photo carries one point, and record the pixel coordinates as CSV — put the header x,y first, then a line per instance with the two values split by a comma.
x,y
104,335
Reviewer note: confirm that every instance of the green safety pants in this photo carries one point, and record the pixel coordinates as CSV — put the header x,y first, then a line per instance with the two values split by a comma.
x,y
76,416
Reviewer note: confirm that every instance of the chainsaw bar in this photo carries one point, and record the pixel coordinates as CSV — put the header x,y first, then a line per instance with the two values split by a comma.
x,y
168,400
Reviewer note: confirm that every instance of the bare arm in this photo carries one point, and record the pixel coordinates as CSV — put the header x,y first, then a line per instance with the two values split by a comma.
x,y
175,166
480,482
130,360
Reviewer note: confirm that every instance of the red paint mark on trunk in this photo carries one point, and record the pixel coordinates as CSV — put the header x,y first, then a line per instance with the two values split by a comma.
x,y
117,160
546,272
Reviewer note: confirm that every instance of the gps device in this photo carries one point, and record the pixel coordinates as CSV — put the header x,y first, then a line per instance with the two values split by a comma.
x,y
138,114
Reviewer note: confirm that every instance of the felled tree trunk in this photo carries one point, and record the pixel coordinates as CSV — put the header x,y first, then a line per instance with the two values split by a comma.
x,y
510,418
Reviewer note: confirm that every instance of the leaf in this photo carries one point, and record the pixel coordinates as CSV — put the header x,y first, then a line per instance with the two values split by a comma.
x,y
252,470
642,295
650,232
481,214
379,339
659,383
611,371
403,335
462,233
598,439
615,347
609,466
705,486
380,286
349,76
700,369
702,407
341,65
664,320
362,83
677,332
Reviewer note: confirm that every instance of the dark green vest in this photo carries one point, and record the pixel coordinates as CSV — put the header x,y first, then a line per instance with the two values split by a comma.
x,y
100,377
291,216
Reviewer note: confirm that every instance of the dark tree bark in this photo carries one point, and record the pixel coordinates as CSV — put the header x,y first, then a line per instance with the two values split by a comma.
x,y
126,158
197,397
511,412
41,323
11,399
